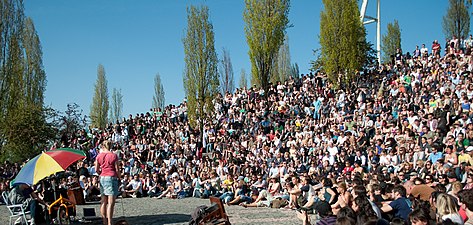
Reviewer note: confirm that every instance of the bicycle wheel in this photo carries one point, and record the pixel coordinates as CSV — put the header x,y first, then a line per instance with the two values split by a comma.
x,y
62,217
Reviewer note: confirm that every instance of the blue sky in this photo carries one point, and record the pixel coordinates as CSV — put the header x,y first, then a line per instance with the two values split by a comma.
x,y
135,40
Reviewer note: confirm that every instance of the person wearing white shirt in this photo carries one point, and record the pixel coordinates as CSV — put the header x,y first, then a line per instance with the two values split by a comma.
x,y
274,170
360,157
333,150
424,51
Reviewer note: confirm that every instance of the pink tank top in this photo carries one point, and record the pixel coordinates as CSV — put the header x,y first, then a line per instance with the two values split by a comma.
x,y
107,162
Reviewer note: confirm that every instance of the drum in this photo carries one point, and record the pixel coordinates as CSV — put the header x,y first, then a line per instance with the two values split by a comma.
x,y
76,196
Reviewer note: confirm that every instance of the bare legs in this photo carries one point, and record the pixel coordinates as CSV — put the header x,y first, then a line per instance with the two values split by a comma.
x,y
106,209
103,209
304,217
111,206
234,201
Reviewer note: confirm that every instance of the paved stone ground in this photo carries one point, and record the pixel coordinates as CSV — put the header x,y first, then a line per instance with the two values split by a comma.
x,y
146,211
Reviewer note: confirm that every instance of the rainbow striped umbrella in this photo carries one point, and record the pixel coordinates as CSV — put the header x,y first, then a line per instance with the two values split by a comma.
x,y
47,163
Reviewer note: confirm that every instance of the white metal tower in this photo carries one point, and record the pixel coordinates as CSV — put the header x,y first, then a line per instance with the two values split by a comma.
x,y
376,20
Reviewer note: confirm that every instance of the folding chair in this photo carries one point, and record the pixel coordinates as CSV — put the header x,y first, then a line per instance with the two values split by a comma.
x,y
16,210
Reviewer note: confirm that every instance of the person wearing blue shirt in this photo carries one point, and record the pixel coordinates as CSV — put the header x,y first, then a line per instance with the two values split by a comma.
x,y
317,104
401,206
435,155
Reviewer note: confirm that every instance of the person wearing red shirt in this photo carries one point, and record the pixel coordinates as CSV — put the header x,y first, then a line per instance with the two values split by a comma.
x,y
107,166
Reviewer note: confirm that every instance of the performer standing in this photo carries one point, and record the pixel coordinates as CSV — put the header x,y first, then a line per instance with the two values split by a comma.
x,y
106,165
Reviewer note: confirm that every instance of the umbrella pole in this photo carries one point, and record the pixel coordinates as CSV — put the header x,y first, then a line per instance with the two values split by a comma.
x,y
122,220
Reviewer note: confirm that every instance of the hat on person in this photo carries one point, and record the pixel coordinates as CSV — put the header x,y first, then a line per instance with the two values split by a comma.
x,y
452,175
175,174
412,174
286,177
469,149
241,178
323,208
385,169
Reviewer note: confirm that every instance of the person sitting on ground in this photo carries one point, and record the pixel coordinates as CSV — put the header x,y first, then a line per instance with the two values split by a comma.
x,y
400,206
174,189
92,189
420,217
265,197
447,208
212,185
155,188
361,191
327,193
260,184
274,186
324,211
466,202
364,210
344,199
308,200
135,187
421,190
228,191
242,192
294,190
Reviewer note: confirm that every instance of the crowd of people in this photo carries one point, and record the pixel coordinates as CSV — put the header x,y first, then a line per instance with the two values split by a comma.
x,y
394,146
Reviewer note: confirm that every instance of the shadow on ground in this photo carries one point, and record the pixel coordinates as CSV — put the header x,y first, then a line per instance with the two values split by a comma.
x,y
147,219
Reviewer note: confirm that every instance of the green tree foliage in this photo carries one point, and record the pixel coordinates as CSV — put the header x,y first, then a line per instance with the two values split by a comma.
x,y
282,67
243,80
69,121
201,82
391,41
227,83
36,76
116,109
158,98
100,103
266,24
27,132
11,23
457,20
24,129
342,40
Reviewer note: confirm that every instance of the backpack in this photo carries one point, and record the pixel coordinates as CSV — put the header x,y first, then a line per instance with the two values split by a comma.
x,y
278,203
197,215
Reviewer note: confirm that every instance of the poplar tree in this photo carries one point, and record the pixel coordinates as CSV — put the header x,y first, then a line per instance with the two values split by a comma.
x,y
11,24
391,41
342,40
158,98
226,73
24,130
266,24
457,20
116,109
282,68
100,103
243,80
295,71
201,82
